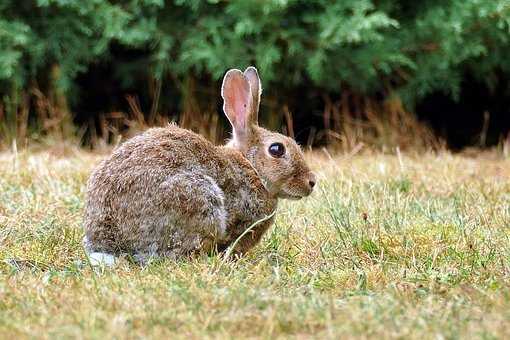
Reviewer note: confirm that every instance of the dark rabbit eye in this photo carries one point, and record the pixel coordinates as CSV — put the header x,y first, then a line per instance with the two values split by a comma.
x,y
277,150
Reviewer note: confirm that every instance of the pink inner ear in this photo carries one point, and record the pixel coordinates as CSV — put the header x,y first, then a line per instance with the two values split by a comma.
x,y
237,100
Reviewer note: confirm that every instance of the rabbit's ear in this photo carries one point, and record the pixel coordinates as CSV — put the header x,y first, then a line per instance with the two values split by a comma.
x,y
256,89
238,104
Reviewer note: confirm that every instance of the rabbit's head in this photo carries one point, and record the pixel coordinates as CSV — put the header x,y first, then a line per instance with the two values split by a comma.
x,y
277,158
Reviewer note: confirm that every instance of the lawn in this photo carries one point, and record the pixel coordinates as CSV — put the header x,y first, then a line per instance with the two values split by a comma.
x,y
410,246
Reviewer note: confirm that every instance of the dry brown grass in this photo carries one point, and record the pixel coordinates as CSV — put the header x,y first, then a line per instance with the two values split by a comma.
x,y
407,245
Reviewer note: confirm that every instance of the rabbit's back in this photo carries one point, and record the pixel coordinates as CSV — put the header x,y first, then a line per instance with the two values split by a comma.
x,y
170,192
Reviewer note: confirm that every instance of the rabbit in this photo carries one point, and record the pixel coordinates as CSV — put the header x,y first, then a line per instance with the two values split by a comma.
x,y
171,193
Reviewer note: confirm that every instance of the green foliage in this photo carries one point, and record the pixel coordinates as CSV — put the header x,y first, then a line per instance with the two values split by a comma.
x,y
364,45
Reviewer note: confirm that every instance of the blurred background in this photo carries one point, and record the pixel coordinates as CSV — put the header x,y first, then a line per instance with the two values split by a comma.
x,y
382,73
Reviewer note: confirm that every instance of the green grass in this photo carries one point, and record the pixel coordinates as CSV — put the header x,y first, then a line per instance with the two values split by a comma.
x,y
413,247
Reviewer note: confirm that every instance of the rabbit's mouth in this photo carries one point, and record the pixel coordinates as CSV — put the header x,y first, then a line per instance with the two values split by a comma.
x,y
286,195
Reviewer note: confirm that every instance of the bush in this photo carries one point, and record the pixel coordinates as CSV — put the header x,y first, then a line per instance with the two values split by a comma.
x,y
366,47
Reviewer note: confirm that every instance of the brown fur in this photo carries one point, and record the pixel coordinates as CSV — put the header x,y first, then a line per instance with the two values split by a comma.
x,y
170,192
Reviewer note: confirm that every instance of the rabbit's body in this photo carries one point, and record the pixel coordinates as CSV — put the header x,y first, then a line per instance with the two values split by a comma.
x,y
170,192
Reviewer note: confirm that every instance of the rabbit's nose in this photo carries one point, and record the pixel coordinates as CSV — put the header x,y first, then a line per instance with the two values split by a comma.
x,y
312,180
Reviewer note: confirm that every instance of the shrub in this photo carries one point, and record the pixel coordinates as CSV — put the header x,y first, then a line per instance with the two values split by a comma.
x,y
388,47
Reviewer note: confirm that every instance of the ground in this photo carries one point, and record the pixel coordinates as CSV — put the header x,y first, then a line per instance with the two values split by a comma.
x,y
410,246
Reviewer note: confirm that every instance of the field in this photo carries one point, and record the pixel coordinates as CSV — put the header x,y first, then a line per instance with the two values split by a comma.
x,y
409,246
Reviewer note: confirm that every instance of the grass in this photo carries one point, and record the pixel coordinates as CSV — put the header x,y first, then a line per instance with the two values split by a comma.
x,y
411,246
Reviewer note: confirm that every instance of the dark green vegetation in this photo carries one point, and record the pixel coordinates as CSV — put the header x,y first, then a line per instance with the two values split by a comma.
x,y
66,65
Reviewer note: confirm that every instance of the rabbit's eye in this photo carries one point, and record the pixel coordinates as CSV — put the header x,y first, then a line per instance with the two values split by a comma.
x,y
276,150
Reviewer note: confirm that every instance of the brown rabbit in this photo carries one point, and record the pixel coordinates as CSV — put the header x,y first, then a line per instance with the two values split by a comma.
x,y
170,192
